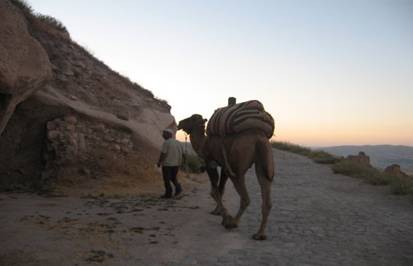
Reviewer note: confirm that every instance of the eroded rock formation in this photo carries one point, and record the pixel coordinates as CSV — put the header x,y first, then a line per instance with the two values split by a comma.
x,y
73,112
394,170
361,158
24,64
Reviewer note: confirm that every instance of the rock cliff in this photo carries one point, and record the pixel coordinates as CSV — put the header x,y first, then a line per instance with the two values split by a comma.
x,y
65,113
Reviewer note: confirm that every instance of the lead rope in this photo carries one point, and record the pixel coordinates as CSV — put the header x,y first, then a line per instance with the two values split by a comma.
x,y
186,141
186,154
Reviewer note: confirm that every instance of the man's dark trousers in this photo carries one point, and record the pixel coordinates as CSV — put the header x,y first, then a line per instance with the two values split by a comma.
x,y
169,174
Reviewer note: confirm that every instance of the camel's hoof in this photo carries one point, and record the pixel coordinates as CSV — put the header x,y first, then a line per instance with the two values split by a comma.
x,y
259,237
216,211
229,222
231,226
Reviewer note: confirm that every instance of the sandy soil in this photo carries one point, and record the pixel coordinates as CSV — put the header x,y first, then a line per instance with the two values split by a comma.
x,y
70,230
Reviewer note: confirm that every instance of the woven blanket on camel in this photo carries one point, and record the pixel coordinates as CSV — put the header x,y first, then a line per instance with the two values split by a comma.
x,y
240,117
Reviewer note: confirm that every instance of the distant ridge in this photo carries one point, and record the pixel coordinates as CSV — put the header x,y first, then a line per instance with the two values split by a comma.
x,y
381,155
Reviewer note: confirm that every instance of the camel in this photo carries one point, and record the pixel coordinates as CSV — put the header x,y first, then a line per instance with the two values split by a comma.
x,y
235,154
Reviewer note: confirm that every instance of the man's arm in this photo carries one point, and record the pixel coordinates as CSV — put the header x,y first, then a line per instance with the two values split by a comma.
x,y
162,156
161,159
183,155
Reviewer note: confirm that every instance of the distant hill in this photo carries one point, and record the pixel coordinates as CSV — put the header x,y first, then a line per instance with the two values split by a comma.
x,y
381,155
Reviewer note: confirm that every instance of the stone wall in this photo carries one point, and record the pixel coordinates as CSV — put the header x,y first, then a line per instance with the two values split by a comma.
x,y
75,144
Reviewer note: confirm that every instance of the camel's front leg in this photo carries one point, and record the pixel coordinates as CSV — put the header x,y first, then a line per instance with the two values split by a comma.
x,y
220,193
217,191
239,184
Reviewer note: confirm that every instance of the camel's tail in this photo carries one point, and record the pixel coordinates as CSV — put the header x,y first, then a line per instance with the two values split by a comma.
x,y
265,156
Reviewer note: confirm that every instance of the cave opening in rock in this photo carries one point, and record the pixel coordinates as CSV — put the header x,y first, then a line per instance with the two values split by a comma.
x,y
4,98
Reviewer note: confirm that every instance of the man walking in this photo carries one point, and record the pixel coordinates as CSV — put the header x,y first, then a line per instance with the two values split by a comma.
x,y
170,160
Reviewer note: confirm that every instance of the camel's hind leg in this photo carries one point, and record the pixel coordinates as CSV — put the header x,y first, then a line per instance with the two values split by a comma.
x,y
265,184
239,184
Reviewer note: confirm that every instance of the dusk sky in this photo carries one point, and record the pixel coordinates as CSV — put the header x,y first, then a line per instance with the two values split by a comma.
x,y
330,72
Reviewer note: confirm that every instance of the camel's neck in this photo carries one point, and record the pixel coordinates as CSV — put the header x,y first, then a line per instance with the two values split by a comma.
x,y
198,139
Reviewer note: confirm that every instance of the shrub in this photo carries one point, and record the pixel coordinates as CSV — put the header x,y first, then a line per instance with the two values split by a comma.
x,y
286,146
401,185
354,169
371,175
323,157
23,5
378,180
28,10
398,185
52,22
193,164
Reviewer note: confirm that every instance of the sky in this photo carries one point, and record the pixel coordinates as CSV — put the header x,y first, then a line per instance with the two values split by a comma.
x,y
330,72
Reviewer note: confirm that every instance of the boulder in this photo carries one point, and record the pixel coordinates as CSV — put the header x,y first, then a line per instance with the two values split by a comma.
x,y
361,158
24,64
394,170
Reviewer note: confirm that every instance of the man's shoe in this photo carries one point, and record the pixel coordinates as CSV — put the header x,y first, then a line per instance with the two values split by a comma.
x,y
166,196
178,192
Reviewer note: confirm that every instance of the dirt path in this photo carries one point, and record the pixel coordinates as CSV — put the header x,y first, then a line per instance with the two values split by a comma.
x,y
318,218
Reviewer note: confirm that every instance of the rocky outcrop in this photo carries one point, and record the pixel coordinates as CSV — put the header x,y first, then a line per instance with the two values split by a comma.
x,y
394,170
73,95
24,64
361,158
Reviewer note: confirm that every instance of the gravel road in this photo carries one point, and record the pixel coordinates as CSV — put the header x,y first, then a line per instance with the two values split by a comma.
x,y
318,218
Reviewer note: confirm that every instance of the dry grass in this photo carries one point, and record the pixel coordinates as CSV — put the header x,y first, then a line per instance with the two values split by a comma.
x,y
23,6
317,156
51,21
135,175
31,15
401,185
371,175
132,174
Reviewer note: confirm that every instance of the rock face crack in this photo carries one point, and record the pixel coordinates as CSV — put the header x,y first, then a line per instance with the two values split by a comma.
x,y
5,113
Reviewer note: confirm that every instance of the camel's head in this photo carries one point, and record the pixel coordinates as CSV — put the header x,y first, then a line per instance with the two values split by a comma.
x,y
191,123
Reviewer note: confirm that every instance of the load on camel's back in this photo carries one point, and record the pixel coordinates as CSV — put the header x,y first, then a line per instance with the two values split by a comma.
x,y
237,118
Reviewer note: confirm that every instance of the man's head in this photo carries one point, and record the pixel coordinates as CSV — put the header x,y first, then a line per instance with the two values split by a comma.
x,y
167,133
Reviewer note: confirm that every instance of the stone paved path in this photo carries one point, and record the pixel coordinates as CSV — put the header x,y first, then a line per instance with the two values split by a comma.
x,y
318,218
